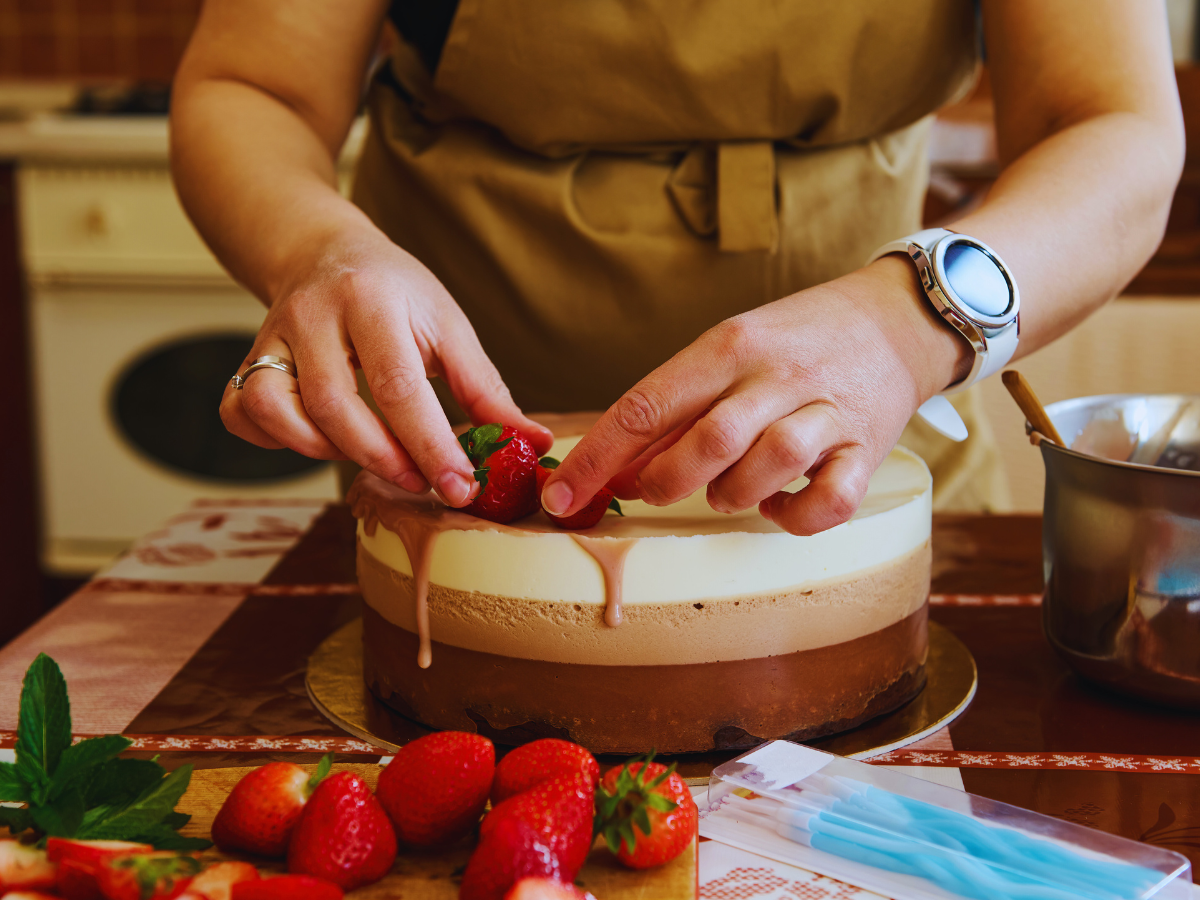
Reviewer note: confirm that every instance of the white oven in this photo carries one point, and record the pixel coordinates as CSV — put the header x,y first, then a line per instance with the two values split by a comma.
x,y
135,331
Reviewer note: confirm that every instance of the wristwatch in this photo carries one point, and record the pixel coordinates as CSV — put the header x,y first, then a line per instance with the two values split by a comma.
x,y
973,290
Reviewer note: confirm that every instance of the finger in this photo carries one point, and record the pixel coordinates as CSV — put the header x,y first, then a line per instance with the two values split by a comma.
x,y
329,390
675,392
271,400
720,438
400,385
831,498
782,453
478,387
238,422
624,483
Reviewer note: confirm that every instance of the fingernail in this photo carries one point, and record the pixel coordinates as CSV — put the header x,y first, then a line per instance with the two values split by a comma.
x,y
454,488
413,483
556,498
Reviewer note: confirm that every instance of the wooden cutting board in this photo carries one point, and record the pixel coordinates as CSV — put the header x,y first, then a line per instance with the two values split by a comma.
x,y
434,876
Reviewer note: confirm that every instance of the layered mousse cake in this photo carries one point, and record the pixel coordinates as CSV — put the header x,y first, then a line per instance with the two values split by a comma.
x,y
677,628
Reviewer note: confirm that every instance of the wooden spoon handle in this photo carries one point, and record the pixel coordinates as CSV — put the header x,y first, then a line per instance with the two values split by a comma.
x,y
1023,393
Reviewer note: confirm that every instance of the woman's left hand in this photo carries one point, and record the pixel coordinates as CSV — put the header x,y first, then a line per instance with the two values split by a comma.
x,y
820,383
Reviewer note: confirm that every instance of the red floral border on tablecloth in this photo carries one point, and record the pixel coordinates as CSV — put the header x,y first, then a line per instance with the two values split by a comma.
x,y
985,599
218,588
962,759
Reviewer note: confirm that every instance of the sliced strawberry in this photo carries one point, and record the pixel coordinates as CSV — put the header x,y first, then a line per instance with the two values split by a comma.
x,y
26,868
77,862
587,517
505,464
545,889
344,835
287,887
160,875
509,852
560,810
263,808
645,812
535,762
60,850
217,881
435,788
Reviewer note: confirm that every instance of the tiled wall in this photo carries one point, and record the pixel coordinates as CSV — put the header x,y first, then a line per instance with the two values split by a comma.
x,y
102,39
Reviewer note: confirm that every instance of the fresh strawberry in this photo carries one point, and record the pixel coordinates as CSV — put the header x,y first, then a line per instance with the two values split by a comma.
x,y
344,836
645,812
560,810
77,862
586,517
509,852
23,867
287,887
435,789
505,464
217,881
545,889
159,875
263,808
537,761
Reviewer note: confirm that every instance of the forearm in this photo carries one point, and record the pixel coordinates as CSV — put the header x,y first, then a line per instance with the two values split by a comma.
x,y
1078,215
258,182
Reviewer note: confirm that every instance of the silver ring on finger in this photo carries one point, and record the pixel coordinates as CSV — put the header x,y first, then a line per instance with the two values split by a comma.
x,y
283,364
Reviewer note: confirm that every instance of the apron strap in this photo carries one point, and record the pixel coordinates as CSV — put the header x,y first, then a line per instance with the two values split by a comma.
x,y
746,217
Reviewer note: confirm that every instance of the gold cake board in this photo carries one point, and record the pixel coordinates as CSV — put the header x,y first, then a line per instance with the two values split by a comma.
x,y
335,686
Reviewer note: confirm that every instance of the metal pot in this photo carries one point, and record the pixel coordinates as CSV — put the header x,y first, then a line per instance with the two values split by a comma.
x,y
1121,544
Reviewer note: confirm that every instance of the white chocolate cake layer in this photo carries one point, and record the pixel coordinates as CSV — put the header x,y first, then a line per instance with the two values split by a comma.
x,y
685,553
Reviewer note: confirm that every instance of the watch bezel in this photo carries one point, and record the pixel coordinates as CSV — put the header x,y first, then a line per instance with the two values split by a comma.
x,y
941,283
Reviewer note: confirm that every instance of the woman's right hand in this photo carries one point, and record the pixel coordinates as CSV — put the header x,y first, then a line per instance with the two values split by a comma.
x,y
362,302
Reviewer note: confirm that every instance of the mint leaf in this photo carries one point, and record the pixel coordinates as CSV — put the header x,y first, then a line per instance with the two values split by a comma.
x,y
118,781
15,820
12,786
147,809
43,724
62,817
176,820
79,760
163,837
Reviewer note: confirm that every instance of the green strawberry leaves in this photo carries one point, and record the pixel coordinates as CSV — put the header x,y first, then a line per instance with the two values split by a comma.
x,y
479,443
84,790
629,803
615,506
318,776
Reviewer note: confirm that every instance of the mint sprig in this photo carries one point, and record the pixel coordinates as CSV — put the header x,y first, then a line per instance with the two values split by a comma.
x,y
479,443
85,790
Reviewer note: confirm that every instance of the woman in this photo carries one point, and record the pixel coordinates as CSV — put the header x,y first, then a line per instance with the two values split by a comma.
x,y
606,189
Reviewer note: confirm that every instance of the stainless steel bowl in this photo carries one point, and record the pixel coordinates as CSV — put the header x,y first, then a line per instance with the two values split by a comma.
x,y
1121,543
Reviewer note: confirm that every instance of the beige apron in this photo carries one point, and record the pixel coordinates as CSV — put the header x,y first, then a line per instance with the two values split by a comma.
x,y
597,183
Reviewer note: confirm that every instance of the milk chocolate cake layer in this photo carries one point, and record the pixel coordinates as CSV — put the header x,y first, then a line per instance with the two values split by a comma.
x,y
631,709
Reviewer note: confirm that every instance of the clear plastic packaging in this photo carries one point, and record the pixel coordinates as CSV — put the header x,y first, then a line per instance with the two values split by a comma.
x,y
907,838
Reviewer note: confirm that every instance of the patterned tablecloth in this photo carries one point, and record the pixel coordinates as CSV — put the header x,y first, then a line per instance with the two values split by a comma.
x,y
195,642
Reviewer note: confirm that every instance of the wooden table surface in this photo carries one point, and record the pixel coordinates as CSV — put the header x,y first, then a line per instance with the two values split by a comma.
x,y
247,678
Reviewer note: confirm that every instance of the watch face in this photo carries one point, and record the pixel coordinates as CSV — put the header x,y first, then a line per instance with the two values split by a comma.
x,y
975,280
